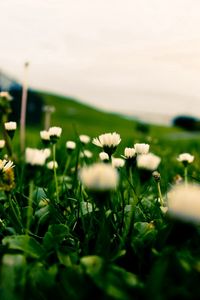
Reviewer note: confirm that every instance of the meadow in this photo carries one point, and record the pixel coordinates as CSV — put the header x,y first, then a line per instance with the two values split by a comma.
x,y
98,207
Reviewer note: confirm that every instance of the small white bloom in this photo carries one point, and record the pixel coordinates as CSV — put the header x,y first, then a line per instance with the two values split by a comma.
x,y
44,134
86,153
70,145
103,156
186,157
118,162
10,126
141,148
99,177
47,152
184,202
85,139
6,96
109,140
55,131
129,153
148,161
51,164
36,157
6,165
164,209
2,144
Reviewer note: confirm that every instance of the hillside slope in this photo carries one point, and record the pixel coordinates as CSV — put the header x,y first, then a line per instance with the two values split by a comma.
x,y
73,116
77,118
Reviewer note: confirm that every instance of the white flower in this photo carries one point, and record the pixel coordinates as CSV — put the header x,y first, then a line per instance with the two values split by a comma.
x,y
85,139
47,152
51,164
2,144
184,202
99,177
6,165
10,126
103,156
141,148
148,161
164,209
86,153
6,96
70,145
44,134
55,131
129,153
109,140
186,157
118,162
36,157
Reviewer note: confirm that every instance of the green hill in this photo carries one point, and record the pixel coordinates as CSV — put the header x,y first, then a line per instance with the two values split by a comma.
x,y
78,118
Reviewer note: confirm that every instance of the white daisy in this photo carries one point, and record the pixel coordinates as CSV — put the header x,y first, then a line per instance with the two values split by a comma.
x,y
85,139
10,126
51,164
6,165
70,145
2,144
6,96
184,202
44,134
110,140
186,158
148,161
55,132
99,177
86,153
141,148
118,162
36,157
129,153
103,156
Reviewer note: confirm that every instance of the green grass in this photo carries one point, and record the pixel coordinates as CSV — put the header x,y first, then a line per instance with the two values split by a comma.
x,y
78,118
74,116
61,238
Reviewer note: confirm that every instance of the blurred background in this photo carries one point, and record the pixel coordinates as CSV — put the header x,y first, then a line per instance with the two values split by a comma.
x,y
138,58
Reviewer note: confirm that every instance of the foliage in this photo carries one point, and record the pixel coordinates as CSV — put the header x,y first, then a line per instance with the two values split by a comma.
x,y
187,122
72,243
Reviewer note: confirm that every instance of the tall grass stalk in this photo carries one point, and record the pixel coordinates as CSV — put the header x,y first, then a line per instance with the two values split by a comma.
x,y
55,172
30,204
186,175
160,194
23,109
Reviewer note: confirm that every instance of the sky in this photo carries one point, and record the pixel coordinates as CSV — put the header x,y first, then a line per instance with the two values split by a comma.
x,y
129,56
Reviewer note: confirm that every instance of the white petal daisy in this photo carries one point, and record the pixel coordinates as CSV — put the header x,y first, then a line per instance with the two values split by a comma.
x,y
186,157
99,177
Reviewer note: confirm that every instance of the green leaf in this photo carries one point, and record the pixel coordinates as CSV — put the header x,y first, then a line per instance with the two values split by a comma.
x,y
144,233
39,194
24,243
86,208
13,268
92,264
55,235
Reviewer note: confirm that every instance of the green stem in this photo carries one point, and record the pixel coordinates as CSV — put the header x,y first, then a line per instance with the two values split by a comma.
x,y
30,204
186,175
130,181
66,166
6,136
15,215
160,194
54,172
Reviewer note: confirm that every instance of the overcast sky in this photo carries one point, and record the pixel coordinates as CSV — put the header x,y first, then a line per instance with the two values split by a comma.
x,y
124,55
